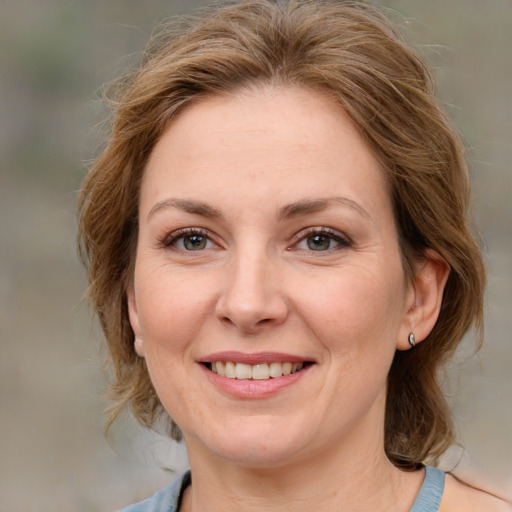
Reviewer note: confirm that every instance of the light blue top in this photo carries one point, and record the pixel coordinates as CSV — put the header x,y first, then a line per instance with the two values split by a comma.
x,y
168,498
164,500
429,497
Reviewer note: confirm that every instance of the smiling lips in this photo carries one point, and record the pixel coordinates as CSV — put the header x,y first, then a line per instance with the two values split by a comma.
x,y
261,371
263,366
254,376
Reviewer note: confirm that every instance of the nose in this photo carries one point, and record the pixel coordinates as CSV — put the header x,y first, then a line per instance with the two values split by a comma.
x,y
251,299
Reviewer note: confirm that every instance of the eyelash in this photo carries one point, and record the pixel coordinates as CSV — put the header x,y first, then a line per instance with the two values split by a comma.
x,y
172,239
342,240
329,234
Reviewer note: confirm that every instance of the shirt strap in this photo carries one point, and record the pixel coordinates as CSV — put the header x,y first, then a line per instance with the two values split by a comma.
x,y
429,497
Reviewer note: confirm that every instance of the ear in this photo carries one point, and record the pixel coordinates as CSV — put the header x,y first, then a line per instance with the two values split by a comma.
x,y
424,298
133,315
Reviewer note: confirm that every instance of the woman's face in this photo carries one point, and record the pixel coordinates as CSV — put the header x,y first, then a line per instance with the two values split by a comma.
x,y
267,245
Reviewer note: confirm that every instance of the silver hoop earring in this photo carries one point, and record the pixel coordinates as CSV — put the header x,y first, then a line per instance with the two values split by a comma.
x,y
137,345
412,340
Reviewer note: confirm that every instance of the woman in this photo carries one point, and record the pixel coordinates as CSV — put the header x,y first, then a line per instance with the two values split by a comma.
x,y
278,251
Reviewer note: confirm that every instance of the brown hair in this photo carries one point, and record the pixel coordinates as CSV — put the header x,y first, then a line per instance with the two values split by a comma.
x,y
349,50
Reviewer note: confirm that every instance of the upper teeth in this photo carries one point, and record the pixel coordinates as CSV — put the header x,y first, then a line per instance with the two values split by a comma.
x,y
256,371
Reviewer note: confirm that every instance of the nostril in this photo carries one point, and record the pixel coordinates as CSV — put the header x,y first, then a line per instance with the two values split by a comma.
x,y
226,320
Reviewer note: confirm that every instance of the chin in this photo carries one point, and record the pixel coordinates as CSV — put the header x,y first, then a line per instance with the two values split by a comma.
x,y
254,446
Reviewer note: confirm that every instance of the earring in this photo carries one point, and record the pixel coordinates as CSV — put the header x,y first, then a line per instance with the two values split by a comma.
x,y
412,340
137,344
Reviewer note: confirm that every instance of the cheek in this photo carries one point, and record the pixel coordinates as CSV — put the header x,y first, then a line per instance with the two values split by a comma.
x,y
356,319
171,313
172,306
353,308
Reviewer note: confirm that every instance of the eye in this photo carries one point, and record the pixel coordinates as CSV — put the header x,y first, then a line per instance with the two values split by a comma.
x,y
321,240
189,240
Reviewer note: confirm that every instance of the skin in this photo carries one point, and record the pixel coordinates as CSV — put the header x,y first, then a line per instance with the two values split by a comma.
x,y
460,496
254,176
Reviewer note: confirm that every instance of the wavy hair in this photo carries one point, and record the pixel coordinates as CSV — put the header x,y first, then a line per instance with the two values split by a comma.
x,y
350,51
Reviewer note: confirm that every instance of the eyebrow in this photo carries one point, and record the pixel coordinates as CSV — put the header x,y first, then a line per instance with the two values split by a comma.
x,y
307,207
296,209
188,206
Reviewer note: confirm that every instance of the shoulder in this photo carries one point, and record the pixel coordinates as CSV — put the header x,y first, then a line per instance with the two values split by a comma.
x,y
459,496
164,500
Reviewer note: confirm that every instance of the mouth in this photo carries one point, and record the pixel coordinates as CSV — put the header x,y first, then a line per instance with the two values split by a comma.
x,y
260,371
253,376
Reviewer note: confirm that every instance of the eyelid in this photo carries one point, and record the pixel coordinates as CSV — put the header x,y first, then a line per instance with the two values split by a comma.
x,y
342,239
170,239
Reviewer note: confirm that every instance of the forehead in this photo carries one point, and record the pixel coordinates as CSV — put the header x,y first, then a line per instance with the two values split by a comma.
x,y
282,144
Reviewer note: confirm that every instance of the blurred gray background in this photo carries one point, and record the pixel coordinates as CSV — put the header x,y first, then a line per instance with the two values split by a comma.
x,y
55,55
